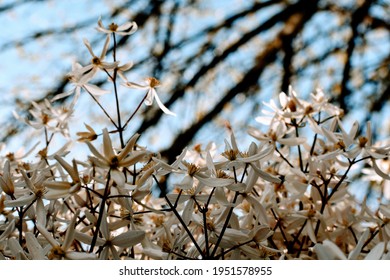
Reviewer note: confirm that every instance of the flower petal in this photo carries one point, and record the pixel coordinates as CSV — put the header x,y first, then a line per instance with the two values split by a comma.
x,y
162,106
129,238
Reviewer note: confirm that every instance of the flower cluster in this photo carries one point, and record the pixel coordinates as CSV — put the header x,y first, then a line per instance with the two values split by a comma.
x,y
285,196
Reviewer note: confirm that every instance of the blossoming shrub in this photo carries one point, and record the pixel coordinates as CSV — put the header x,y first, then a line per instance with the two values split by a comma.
x,y
285,196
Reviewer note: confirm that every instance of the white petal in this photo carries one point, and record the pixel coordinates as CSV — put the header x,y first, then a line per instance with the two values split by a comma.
x,y
356,251
293,141
310,231
80,256
20,201
376,252
156,254
63,95
88,45
47,235
268,177
107,145
214,182
328,251
129,147
105,47
16,249
162,106
186,183
135,85
9,229
210,163
127,26
40,212
95,90
33,246
118,177
259,209
69,236
187,211
150,97
129,238
379,171
72,172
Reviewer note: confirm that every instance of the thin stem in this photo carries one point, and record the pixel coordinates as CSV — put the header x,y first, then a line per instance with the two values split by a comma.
x,y
46,137
135,111
326,199
101,211
311,150
101,107
297,236
225,225
177,214
283,157
279,225
301,247
341,179
299,146
244,173
206,236
233,248
209,198
118,111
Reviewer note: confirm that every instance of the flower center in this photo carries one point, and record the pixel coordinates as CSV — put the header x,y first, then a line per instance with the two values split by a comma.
x,y
96,61
362,141
153,82
56,253
114,162
231,154
113,27
192,169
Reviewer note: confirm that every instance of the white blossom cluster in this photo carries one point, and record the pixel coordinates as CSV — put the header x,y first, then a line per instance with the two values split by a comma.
x,y
286,196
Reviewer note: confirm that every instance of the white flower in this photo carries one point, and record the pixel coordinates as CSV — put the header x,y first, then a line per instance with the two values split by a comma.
x,y
151,84
36,194
97,62
44,115
6,180
79,80
110,241
64,251
127,28
277,133
114,161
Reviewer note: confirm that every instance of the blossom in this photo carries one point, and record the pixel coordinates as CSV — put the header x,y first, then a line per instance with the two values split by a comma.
x,y
114,161
36,194
90,135
365,147
44,115
97,62
58,189
79,80
151,84
123,68
191,172
109,241
127,28
277,133
63,251
6,180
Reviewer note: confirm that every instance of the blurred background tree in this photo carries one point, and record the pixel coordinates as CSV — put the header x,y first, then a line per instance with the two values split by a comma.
x,y
217,60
